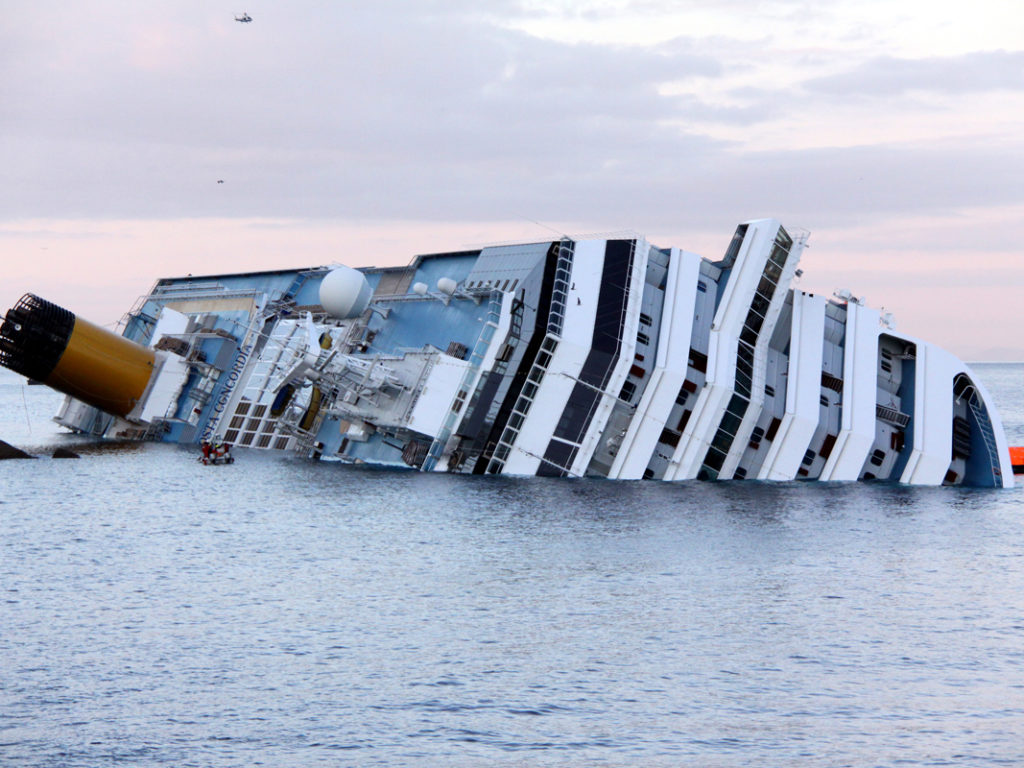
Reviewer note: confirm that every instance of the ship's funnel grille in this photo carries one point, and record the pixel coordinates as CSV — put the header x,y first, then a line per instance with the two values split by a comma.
x,y
34,335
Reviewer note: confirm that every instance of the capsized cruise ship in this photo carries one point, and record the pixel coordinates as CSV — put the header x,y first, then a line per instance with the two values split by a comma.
x,y
573,357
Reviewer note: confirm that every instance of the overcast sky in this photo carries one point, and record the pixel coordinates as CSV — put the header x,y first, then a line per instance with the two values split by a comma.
x,y
365,133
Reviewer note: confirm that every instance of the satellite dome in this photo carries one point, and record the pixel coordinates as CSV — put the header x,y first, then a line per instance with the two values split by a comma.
x,y
420,289
447,285
344,293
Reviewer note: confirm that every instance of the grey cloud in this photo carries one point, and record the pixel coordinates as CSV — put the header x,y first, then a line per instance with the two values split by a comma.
x,y
888,76
420,114
300,111
648,183
358,77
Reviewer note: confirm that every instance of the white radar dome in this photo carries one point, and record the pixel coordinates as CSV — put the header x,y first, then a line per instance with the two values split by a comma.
x,y
447,285
420,289
345,292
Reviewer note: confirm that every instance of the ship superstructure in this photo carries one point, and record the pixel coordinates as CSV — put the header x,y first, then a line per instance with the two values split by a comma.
x,y
572,357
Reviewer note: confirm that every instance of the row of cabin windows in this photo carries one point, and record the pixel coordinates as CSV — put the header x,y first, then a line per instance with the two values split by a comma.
x,y
738,405
257,411
262,441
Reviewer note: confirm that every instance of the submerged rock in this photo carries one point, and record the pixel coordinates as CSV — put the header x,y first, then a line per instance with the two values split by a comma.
x,y
65,453
8,451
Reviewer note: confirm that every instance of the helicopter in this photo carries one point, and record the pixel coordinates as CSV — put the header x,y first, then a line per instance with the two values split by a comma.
x,y
245,18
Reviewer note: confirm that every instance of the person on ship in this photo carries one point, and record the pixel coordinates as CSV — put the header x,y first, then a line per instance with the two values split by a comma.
x,y
207,451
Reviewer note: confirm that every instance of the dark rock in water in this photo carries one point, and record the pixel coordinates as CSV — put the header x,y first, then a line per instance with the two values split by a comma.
x,y
8,451
64,453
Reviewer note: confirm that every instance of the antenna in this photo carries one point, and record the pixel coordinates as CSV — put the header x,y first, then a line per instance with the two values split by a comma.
x,y
545,226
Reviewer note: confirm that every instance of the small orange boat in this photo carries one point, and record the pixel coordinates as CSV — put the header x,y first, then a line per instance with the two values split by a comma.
x,y
1017,459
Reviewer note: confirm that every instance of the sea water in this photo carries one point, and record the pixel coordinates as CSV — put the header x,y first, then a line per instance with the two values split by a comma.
x,y
283,612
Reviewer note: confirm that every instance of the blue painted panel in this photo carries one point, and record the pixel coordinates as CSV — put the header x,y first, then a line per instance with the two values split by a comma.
x,y
414,324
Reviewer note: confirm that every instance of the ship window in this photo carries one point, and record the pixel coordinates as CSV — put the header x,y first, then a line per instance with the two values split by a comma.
x,y
230,436
877,457
646,319
243,408
727,430
808,458
896,441
669,437
766,287
682,421
682,397
758,306
643,338
823,400
263,441
259,410
740,473
734,245
628,390
886,366
638,357
715,458
247,438
698,360
769,390
282,443
253,424
702,286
